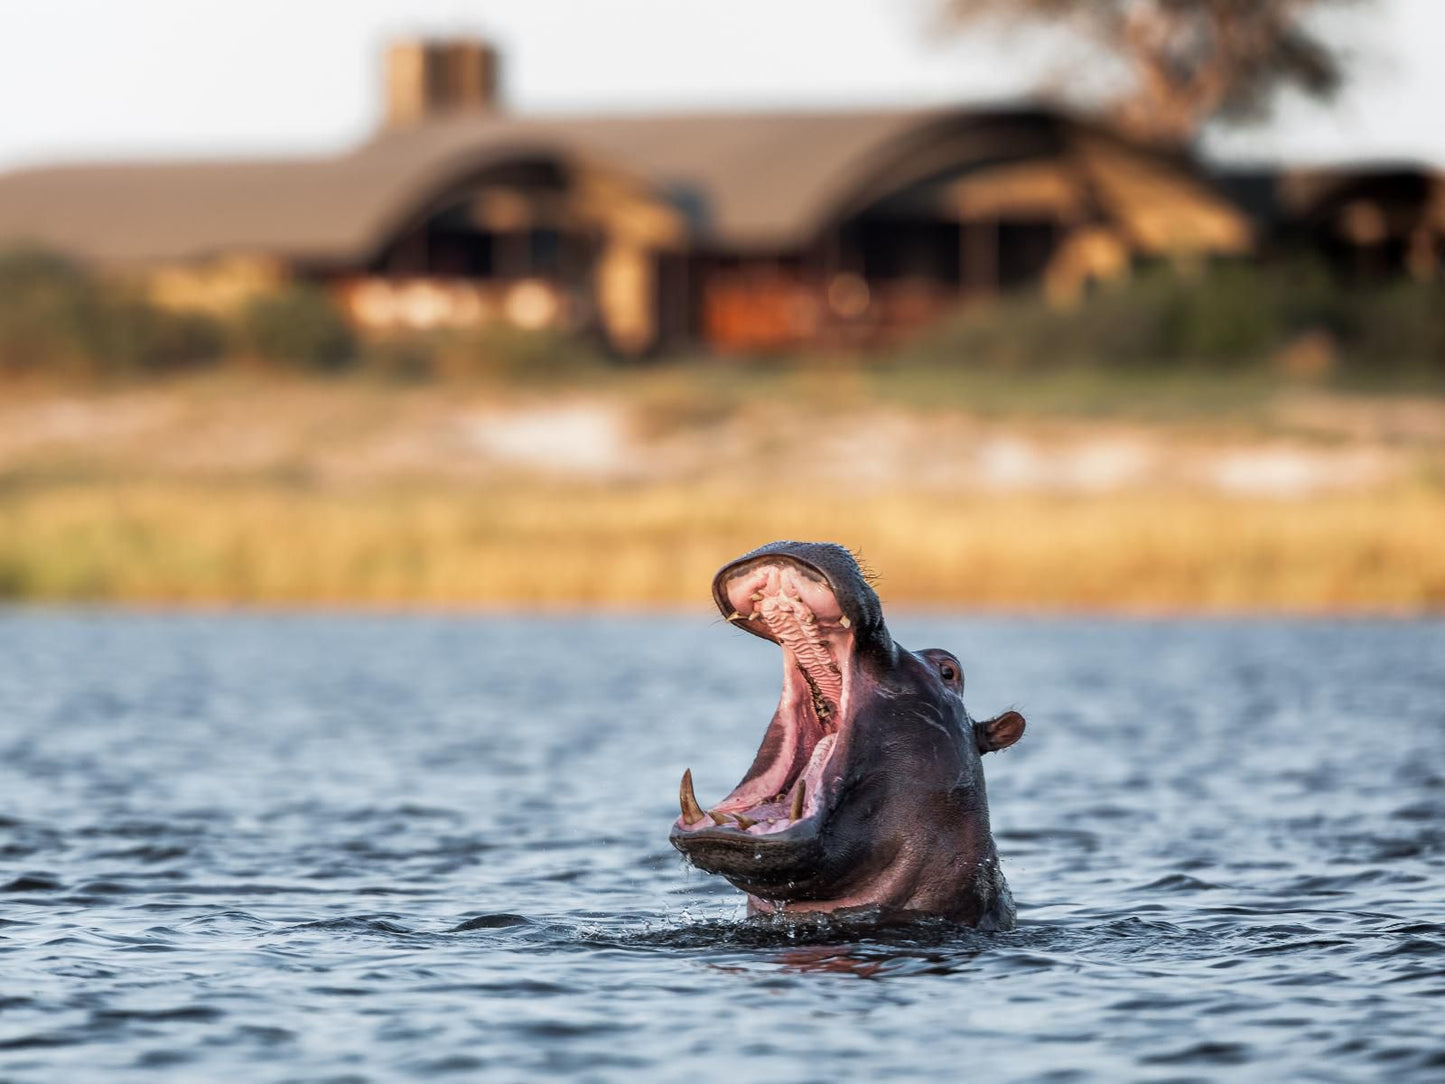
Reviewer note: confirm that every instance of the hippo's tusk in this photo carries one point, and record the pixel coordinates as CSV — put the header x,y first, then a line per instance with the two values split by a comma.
x,y
744,822
691,811
796,812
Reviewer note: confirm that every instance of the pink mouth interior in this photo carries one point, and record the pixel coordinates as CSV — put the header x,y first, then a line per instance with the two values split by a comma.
x,y
796,608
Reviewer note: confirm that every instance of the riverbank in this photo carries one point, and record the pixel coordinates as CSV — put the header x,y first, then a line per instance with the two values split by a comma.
x,y
629,489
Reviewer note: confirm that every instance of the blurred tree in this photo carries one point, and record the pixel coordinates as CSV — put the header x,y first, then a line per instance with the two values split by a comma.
x,y
1186,61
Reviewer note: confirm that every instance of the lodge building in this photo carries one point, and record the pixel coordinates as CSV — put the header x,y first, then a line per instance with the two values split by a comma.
x,y
731,232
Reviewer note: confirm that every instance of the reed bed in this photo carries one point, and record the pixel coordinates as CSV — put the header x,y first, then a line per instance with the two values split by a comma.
x,y
265,543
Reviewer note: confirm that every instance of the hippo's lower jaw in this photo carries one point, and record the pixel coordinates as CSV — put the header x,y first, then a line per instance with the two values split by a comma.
x,y
764,835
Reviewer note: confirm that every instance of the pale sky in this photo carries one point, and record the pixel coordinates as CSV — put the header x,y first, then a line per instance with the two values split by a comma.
x,y
85,79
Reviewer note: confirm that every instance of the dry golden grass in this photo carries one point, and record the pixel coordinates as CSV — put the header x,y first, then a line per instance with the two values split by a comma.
x,y
263,490
513,544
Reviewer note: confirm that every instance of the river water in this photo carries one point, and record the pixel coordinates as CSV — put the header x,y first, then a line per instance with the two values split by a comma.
x,y
267,848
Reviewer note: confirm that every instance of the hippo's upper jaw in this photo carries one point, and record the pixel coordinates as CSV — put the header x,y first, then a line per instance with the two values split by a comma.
x,y
774,812
866,790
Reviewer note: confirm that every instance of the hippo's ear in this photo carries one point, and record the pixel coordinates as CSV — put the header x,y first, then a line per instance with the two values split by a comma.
x,y
999,733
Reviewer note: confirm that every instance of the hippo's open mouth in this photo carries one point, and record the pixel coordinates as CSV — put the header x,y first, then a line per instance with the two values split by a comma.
x,y
868,790
793,777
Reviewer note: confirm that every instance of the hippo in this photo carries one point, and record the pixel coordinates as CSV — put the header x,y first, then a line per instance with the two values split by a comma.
x,y
867,794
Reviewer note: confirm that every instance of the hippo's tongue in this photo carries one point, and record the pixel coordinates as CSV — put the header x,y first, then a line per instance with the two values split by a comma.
x,y
801,801
810,783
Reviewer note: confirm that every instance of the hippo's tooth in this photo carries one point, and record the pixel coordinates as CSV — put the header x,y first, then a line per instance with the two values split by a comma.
x,y
845,622
758,596
744,822
691,811
735,616
719,819
799,792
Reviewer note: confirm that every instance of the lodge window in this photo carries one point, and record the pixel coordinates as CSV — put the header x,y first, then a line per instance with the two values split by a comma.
x,y
546,251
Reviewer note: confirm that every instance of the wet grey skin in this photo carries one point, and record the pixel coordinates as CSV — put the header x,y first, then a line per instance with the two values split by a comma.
x,y
867,792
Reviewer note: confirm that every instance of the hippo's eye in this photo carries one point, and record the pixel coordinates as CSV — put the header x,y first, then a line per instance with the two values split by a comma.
x,y
947,671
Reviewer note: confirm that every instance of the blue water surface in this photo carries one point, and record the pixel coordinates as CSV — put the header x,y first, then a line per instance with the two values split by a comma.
x,y
285,848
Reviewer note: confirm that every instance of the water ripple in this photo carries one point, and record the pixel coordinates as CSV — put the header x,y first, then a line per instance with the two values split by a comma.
x,y
274,848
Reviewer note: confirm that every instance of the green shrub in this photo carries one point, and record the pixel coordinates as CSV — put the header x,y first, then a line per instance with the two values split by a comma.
x,y
1223,317
138,337
400,358
47,312
514,354
298,326
57,316
1227,316
1398,328
1118,324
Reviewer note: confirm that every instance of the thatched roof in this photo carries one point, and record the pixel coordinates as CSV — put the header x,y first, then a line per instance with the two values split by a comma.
x,y
745,180
1308,197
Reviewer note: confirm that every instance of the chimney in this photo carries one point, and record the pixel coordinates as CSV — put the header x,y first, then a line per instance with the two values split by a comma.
x,y
430,79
